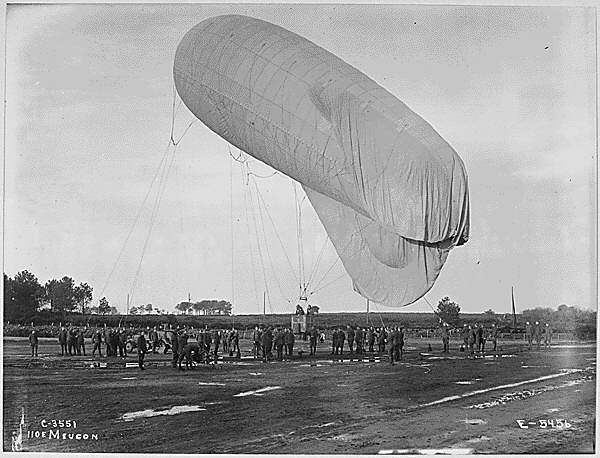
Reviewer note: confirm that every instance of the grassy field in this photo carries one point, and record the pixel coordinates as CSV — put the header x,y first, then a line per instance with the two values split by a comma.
x,y
320,405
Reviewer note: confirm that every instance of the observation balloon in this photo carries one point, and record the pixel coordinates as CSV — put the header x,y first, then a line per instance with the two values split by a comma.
x,y
391,193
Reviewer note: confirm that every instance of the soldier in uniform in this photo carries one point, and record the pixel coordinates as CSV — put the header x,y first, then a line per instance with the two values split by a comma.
x,y
481,338
278,339
153,337
471,341
350,335
97,341
314,336
341,339
288,340
466,331
81,342
62,340
381,336
537,333
192,353
359,339
476,330
445,337
528,333
33,343
142,348
175,347
216,337
547,336
207,340
107,340
393,341
256,339
494,335
334,341
371,339
267,343
235,343
72,341
400,349
122,343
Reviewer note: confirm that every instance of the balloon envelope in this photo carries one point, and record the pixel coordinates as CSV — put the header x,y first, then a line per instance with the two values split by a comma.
x,y
391,193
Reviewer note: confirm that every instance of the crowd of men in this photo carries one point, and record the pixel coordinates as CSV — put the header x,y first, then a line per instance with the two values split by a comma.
x,y
476,336
268,342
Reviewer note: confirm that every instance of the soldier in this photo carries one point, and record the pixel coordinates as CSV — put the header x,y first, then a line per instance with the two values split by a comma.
x,y
314,336
122,343
381,336
256,339
153,337
267,343
235,343
225,337
97,341
350,334
537,333
278,339
400,348
547,336
466,331
175,346
142,349
471,341
106,338
62,340
216,337
528,333
81,342
371,339
341,339
481,338
72,341
192,353
33,343
114,341
393,337
207,340
334,341
445,337
494,335
476,330
182,340
288,340
358,338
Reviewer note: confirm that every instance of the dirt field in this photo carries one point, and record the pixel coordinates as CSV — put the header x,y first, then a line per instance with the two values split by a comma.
x,y
428,401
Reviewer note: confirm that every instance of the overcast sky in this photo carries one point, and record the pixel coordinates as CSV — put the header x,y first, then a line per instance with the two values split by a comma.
x,y
88,117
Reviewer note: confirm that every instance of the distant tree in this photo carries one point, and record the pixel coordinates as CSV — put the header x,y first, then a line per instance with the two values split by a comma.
x,y
104,306
82,295
184,307
489,312
61,295
113,311
448,311
23,295
148,308
133,310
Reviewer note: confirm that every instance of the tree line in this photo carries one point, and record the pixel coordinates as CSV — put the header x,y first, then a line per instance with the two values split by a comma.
x,y
25,297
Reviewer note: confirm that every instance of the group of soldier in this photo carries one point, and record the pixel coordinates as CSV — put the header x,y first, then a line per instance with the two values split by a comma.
x,y
476,336
393,336
538,332
265,339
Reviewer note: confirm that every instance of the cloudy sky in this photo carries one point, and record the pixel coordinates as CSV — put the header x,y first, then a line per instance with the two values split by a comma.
x,y
89,115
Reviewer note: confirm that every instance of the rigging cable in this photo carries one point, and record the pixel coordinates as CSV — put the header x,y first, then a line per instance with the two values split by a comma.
x,y
260,255
269,257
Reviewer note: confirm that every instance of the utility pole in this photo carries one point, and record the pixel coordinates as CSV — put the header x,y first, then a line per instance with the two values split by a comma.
x,y
264,302
368,312
127,304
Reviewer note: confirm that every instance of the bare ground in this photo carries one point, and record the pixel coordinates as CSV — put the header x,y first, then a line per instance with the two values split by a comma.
x,y
313,406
